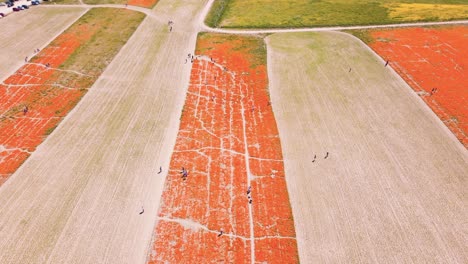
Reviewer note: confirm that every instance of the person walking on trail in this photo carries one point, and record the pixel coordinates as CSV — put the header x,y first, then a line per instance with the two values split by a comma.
x,y
142,210
160,170
315,156
220,233
386,63
26,59
349,70
249,190
326,156
25,110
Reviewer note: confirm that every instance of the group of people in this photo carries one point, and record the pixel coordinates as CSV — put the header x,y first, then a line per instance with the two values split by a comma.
x,y
169,24
249,196
35,51
184,173
315,157
190,57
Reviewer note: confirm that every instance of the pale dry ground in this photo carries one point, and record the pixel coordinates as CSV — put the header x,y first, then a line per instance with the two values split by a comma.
x,y
393,189
77,198
22,32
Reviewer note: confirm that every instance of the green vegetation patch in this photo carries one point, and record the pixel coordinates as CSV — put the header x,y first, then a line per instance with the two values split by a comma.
x,y
361,34
114,28
253,46
216,12
306,13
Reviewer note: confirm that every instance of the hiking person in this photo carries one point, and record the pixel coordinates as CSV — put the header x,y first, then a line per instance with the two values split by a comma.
x,y
160,169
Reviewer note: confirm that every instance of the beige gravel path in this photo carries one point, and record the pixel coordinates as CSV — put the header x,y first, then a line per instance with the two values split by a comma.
x,y
393,188
77,198
23,32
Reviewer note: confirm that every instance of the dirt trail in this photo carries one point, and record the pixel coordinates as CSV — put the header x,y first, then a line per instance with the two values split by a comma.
x,y
77,198
318,29
33,29
392,187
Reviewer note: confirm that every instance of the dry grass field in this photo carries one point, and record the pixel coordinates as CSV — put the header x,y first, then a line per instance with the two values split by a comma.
x,y
25,31
393,187
77,199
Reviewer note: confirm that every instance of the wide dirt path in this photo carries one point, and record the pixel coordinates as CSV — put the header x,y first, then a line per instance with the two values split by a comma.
x,y
24,32
77,198
392,187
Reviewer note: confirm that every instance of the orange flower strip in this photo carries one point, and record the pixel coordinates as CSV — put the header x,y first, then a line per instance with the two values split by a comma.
x,y
229,145
31,86
143,3
38,95
433,61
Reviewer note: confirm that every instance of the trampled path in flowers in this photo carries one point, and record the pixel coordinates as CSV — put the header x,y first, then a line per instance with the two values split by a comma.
x,y
228,141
